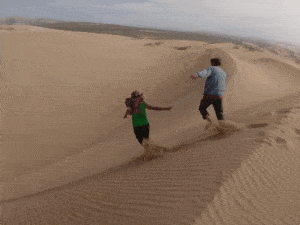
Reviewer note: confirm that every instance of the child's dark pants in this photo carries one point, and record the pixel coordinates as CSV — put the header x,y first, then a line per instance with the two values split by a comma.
x,y
141,132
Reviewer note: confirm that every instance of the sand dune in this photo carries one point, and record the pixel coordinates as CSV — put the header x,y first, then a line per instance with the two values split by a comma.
x,y
68,156
265,188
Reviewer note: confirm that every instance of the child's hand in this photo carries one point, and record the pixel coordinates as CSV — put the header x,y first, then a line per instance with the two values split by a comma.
x,y
127,113
194,76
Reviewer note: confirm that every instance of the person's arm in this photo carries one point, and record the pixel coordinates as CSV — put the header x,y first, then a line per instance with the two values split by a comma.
x,y
203,73
127,113
157,108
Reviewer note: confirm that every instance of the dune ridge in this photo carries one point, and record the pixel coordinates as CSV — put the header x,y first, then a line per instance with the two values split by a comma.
x,y
97,174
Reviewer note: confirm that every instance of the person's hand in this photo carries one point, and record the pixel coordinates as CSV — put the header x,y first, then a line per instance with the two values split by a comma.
x,y
194,76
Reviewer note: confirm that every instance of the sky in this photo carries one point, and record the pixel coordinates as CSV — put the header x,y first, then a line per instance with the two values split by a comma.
x,y
268,19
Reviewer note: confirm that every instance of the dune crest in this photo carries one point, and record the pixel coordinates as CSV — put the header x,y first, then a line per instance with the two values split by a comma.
x,y
69,157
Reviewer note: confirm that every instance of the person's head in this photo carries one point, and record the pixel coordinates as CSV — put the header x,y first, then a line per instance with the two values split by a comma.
x,y
215,62
137,95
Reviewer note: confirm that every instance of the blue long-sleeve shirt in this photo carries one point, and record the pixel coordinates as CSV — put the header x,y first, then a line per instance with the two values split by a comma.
x,y
215,82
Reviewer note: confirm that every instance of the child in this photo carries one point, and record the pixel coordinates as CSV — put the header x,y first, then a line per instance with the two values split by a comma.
x,y
137,109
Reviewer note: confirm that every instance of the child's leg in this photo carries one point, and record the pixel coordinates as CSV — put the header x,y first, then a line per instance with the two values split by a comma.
x,y
204,104
141,133
145,134
138,134
146,131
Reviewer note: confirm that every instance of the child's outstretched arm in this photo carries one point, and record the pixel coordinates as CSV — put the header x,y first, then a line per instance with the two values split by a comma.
x,y
127,113
157,108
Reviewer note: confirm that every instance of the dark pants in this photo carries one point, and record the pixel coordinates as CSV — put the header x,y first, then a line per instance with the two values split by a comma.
x,y
141,132
217,104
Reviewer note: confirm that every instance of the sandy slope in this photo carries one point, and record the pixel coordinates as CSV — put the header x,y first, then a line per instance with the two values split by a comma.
x,y
62,104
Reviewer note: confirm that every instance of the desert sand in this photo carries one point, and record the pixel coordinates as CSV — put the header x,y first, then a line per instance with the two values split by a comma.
x,y
69,157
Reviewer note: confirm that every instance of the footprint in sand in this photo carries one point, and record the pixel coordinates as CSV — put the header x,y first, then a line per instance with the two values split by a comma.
x,y
284,111
182,48
280,140
257,125
154,44
297,131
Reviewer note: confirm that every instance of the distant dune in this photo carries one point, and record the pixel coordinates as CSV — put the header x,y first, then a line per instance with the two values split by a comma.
x,y
141,32
69,157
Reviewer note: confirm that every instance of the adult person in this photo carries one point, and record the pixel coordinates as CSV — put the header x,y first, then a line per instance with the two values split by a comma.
x,y
137,109
214,89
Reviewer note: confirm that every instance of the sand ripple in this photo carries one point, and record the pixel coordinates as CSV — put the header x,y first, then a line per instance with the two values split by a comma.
x,y
248,175
265,189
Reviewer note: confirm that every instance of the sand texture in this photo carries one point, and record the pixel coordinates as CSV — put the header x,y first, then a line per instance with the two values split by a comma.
x,y
69,157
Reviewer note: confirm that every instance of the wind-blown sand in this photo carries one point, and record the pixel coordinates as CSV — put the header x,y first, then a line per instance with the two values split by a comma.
x,y
69,157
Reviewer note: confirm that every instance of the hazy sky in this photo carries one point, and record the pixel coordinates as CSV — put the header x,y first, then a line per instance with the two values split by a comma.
x,y
274,19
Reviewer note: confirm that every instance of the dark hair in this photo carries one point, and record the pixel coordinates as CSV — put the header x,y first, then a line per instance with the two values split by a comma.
x,y
128,103
216,61
135,94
